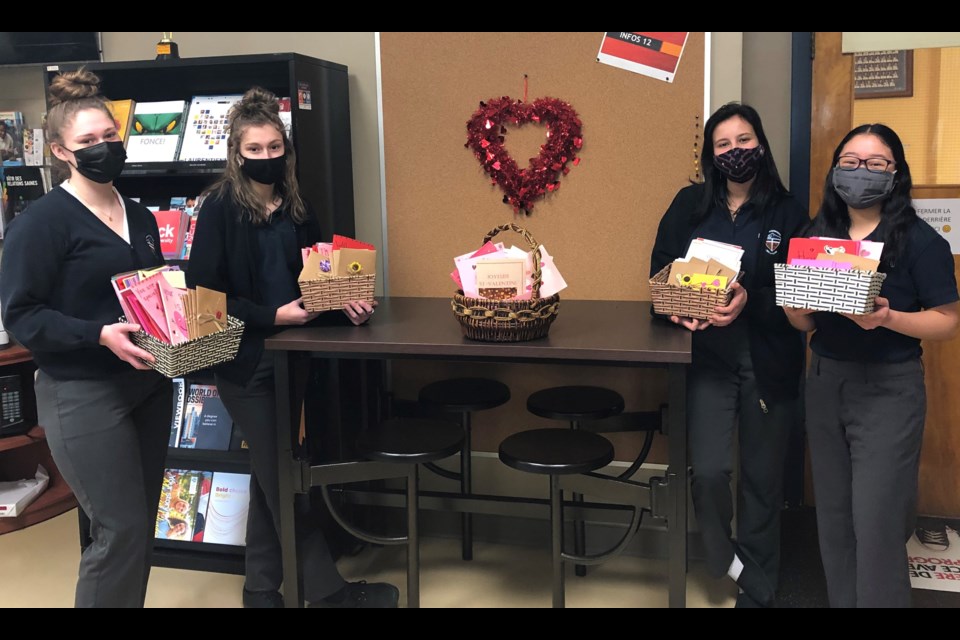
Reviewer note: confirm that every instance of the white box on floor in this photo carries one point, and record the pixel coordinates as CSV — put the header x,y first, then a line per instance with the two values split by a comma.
x,y
15,496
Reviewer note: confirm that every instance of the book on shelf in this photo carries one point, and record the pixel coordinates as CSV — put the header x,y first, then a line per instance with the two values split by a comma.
x,y
33,148
11,138
206,132
172,224
24,185
229,504
180,503
286,115
179,403
206,422
156,131
123,111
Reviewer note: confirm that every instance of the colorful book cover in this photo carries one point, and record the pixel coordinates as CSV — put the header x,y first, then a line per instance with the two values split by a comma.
x,y
123,112
33,150
172,224
226,518
179,503
179,402
155,132
11,138
205,137
206,422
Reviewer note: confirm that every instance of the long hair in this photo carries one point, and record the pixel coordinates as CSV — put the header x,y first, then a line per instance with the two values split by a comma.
x,y
896,213
766,187
258,107
70,93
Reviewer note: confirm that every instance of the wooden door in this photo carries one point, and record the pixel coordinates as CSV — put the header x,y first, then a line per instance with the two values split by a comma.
x,y
831,119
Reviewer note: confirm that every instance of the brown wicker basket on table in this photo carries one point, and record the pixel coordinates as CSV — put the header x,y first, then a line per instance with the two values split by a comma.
x,y
175,360
333,292
686,302
508,320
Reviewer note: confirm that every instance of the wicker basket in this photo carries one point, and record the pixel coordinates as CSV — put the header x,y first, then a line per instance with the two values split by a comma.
x,y
508,320
688,302
175,360
333,292
843,291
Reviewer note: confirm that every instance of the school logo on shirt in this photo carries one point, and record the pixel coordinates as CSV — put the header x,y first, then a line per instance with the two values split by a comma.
x,y
151,243
772,242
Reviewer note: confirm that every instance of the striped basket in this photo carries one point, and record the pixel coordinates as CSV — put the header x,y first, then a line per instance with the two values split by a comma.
x,y
687,302
175,360
843,291
333,292
508,320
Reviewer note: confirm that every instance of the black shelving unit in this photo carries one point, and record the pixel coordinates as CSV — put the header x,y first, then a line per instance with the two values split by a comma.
x,y
319,96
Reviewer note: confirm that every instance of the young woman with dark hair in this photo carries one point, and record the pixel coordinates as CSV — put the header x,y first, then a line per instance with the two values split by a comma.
x,y
865,394
747,359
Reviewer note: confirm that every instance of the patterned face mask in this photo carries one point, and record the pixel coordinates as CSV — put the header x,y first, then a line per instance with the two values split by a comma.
x,y
739,164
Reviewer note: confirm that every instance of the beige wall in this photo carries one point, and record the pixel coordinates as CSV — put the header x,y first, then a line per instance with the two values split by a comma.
x,y
766,87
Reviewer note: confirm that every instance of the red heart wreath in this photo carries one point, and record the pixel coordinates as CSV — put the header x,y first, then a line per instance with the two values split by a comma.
x,y
485,131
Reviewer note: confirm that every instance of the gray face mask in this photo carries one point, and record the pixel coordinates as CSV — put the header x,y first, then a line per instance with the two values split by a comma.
x,y
861,188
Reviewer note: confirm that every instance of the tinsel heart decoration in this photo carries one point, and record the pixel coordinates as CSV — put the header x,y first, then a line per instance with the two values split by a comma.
x,y
485,136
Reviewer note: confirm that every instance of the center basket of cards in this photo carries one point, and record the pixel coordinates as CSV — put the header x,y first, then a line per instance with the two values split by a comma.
x,y
184,329
506,295
693,286
830,274
338,272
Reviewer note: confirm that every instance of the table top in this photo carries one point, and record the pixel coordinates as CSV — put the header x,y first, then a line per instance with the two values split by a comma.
x,y
585,331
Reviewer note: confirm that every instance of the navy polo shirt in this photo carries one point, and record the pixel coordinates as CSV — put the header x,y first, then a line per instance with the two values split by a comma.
x,y
277,242
721,346
923,278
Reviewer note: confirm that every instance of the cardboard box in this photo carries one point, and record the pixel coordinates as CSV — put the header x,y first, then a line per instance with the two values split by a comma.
x,y
16,496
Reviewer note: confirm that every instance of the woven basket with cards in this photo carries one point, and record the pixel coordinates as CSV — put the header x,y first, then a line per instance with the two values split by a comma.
x,y
337,273
185,330
693,286
501,317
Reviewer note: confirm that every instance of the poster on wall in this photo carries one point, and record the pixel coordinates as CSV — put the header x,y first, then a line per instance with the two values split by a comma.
x,y
943,214
933,554
655,54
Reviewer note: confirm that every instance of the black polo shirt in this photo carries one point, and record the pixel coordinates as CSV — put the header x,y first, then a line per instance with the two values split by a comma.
x,y
923,278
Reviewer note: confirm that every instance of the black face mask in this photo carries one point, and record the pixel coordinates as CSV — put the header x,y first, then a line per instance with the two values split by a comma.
x,y
102,162
739,164
265,170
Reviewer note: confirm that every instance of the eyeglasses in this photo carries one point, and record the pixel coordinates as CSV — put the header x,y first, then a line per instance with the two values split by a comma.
x,y
875,165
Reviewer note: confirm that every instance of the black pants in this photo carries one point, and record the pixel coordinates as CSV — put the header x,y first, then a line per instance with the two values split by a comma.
x,y
865,427
109,440
721,403
253,409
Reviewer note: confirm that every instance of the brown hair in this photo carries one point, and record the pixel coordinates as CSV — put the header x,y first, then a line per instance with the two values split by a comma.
x,y
258,107
68,94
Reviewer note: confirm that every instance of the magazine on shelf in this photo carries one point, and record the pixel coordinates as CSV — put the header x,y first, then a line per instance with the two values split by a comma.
x,y
156,131
11,138
179,503
123,113
226,517
206,423
179,403
24,185
205,136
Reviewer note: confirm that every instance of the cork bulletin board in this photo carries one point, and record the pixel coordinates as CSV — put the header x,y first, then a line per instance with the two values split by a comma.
x,y
640,141
638,138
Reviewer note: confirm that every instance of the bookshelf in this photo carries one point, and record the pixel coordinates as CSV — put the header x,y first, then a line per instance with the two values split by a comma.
x,y
22,452
319,96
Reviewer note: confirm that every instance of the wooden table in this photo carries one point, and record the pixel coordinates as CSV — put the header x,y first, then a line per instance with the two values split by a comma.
x,y
605,333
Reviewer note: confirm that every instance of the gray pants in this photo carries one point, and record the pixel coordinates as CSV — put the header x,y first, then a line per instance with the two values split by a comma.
x,y
109,438
254,412
719,404
865,427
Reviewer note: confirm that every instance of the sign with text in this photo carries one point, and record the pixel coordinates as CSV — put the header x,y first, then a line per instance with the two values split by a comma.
x,y
943,214
933,555
655,54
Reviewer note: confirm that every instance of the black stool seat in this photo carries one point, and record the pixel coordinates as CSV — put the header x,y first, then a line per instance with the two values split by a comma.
x,y
575,403
465,394
411,440
556,451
